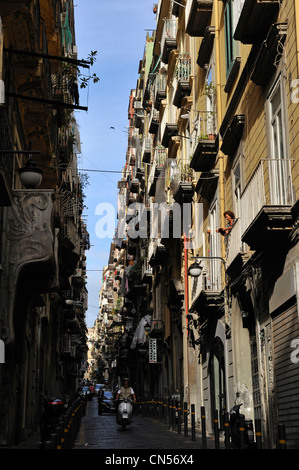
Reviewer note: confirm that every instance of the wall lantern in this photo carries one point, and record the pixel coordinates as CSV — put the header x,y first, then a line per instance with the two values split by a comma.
x,y
195,269
31,175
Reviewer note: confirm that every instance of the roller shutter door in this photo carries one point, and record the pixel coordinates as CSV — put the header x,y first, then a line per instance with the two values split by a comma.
x,y
286,356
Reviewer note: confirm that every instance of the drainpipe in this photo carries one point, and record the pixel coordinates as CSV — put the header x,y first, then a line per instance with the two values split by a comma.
x,y
186,242
219,117
296,7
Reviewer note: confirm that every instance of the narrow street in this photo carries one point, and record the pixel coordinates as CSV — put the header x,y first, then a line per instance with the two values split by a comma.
x,y
102,432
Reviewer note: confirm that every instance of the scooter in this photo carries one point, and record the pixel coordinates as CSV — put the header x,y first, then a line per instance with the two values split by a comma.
x,y
124,413
237,421
53,411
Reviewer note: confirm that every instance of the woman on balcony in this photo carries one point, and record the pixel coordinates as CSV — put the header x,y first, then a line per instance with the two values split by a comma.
x,y
231,220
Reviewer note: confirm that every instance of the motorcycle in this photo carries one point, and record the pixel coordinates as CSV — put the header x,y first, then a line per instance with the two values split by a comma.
x,y
237,421
124,413
53,409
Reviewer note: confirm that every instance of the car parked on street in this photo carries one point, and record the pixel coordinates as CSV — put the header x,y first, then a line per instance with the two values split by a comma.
x,y
108,403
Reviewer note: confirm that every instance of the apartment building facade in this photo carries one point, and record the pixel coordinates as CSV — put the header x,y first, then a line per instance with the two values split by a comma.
x,y
212,128
43,237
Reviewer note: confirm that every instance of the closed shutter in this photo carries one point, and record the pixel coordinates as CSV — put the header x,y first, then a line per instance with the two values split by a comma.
x,y
285,331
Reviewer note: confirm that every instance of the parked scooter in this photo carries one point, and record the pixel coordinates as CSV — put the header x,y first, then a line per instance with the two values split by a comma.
x,y
237,421
53,410
124,413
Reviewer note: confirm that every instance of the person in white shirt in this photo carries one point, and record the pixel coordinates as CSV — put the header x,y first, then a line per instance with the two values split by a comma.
x,y
126,391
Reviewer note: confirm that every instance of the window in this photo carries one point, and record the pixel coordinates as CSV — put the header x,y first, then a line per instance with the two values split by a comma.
x,y
278,162
214,267
229,41
237,186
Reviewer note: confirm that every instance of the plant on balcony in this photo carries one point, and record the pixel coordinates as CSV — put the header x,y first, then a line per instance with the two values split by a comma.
x,y
210,91
73,72
186,173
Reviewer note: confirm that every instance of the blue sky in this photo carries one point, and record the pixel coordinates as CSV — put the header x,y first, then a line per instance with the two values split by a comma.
x,y
117,31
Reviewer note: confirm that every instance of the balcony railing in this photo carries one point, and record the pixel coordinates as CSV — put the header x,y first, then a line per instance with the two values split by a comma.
x,y
168,40
270,184
209,280
160,156
160,88
183,67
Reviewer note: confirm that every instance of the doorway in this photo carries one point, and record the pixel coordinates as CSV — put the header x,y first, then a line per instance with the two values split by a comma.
x,y
217,380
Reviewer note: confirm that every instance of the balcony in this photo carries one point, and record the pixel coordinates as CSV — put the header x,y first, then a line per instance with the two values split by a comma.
x,y
182,75
265,209
255,19
146,272
268,54
156,253
270,228
169,128
153,121
146,150
198,16
206,292
183,189
234,249
207,184
168,40
233,135
206,47
207,143
176,7
160,89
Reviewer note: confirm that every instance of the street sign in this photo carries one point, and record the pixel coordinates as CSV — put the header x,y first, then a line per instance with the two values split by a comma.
x,y
152,350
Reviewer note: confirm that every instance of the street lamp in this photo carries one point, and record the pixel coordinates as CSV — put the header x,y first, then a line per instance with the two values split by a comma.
x,y
195,269
30,175
147,327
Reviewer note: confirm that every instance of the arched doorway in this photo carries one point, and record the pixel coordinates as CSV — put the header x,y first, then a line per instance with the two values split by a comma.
x,y
217,380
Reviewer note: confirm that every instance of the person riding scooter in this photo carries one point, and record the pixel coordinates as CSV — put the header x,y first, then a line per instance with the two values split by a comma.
x,y
125,394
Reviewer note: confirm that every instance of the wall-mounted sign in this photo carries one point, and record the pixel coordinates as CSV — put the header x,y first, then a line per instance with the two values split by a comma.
x,y
152,350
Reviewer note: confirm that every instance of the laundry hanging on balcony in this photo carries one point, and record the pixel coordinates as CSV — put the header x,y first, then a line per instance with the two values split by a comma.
x,y
139,335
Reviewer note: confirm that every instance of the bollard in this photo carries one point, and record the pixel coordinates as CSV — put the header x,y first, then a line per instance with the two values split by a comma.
x,y
185,419
165,410
226,431
169,413
282,443
65,431
242,432
179,418
193,422
216,429
62,437
173,415
258,433
58,431
203,428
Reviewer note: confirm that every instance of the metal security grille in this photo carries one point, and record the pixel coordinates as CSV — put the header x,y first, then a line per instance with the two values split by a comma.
x,y
286,340
255,378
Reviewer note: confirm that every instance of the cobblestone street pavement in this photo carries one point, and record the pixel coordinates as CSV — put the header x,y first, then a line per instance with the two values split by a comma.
x,y
102,432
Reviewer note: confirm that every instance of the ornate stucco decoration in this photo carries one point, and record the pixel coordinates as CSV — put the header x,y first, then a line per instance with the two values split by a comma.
x,y
30,239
